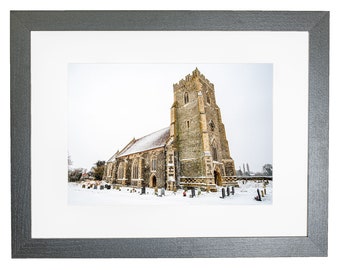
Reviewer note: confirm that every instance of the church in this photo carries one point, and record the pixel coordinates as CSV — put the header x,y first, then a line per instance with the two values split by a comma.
x,y
192,152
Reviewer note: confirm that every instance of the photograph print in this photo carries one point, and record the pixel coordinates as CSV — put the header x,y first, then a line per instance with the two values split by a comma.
x,y
179,134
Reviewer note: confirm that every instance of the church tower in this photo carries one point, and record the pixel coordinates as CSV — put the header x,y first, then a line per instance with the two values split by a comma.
x,y
198,137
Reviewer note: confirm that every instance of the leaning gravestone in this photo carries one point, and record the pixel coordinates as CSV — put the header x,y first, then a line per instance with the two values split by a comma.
x,y
258,197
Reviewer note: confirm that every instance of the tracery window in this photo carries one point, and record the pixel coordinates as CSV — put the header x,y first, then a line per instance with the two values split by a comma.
x,y
153,164
135,170
109,169
120,173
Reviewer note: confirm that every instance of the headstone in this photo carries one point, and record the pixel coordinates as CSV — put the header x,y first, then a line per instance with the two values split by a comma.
x,y
265,191
193,192
232,190
95,187
223,193
258,197
162,192
228,191
262,193
142,191
101,187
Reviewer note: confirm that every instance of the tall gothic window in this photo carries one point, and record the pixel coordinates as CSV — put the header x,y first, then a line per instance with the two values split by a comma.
x,y
109,169
135,169
120,173
153,164
186,97
214,151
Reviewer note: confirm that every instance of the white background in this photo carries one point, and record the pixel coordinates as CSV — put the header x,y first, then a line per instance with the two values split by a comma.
x,y
332,262
52,51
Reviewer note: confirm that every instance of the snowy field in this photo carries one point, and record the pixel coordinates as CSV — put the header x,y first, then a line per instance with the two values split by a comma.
x,y
244,195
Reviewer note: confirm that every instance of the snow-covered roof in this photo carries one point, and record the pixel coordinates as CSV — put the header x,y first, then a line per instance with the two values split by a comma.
x,y
148,142
113,158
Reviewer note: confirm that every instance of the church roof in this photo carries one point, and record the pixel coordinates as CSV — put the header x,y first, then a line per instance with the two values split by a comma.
x,y
113,158
148,142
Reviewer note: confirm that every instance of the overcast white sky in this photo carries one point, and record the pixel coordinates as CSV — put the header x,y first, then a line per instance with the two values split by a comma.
x,y
109,104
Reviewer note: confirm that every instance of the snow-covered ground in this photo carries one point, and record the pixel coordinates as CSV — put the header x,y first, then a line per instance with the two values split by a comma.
x,y
244,195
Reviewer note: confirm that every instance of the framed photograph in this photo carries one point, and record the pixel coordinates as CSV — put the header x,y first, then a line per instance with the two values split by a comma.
x,y
169,134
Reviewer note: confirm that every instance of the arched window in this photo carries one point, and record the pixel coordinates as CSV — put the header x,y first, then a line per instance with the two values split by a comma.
x,y
109,169
186,97
120,173
214,151
212,125
135,170
153,164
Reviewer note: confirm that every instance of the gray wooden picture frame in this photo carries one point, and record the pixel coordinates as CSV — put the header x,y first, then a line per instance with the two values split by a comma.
x,y
316,23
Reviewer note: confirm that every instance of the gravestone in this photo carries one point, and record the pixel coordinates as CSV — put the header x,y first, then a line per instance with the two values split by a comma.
x,y
228,191
193,192
162,192
232,190
258,197
223,193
